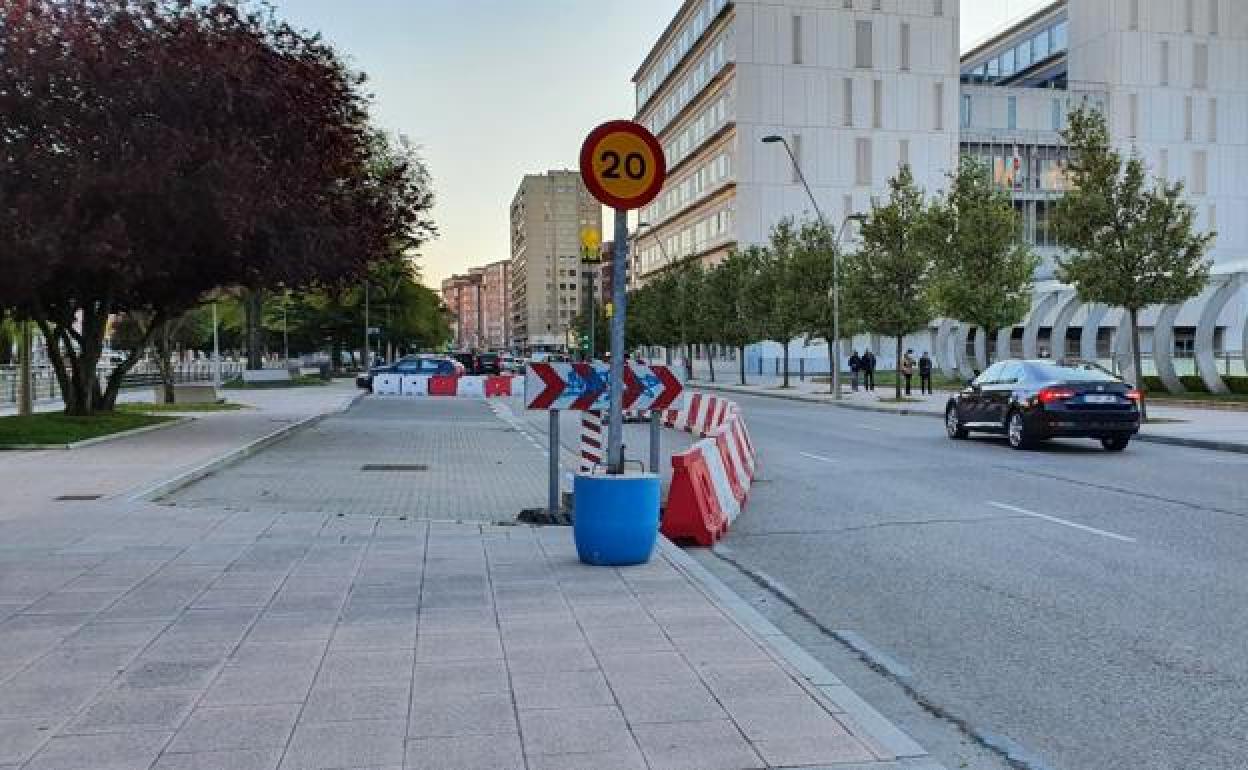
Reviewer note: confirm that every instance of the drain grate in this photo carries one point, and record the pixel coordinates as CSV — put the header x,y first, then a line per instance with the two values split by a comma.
x,y
76,498
394,468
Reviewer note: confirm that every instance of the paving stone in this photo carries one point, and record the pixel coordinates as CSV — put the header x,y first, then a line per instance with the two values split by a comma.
x,y
736,681
822,749
550,658
172,674
236,727
256,685
687,702
465,677
561,690
20,700
622,639
449,647
575,731
616,760
19,738
293,627
351,703
478,752
112,751
241,759
386,635
368,743
362,668
644,669
73,601
716,745
116,634
128,710
458,715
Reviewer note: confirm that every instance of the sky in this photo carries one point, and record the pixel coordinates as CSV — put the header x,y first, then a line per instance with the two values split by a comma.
x,y
493,89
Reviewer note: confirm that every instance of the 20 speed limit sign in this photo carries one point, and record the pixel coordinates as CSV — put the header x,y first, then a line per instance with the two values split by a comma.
x,y
623,165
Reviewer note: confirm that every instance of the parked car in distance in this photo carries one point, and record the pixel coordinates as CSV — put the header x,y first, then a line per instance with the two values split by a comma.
x,y
1035,400
488,364
421,364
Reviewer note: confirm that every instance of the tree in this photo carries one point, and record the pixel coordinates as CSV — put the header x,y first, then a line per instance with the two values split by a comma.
x,y
156,151
686,303
726,301
783,287
1131,242
886,281
816,257
984,271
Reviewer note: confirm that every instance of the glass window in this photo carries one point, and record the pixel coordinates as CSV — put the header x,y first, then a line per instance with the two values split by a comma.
x,y
990,375
1010,374
1068,371
1007,63
994,68
966,110
862,38
1059,36
1023,53
1057,114
1040,45
1012,112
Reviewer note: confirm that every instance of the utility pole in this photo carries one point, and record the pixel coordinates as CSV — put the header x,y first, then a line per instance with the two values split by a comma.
x,y
367,342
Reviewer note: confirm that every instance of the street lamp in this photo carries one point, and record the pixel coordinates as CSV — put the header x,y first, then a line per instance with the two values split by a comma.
x,y
834,346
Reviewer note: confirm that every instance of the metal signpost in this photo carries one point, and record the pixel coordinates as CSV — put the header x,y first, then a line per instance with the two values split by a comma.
x,y
591,254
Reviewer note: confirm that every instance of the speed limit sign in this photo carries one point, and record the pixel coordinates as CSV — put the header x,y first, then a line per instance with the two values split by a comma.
x,y
623,165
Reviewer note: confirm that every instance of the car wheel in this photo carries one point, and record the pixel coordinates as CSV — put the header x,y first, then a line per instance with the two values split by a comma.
x,y
1115,443
953,424
1016,430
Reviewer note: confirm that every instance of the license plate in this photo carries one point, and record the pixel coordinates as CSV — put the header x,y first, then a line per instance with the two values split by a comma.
x,y
1101,399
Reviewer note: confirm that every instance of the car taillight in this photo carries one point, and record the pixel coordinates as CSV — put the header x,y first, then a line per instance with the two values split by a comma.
x,y
1135,395
1050,395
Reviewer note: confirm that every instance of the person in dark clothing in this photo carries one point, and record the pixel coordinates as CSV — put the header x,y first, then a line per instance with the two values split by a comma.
x,y
855,366
868,371
925,373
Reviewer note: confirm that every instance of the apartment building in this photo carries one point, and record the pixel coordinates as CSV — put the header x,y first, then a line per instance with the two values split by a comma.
x,y
858,87
480,306
855,87
547,215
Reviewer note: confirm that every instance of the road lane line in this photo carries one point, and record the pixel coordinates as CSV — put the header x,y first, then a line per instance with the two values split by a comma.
x,y
1063,522
870,427
820,458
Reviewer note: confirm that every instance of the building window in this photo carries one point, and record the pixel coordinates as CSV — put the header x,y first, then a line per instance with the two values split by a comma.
x,y
905,46
875,5
847,102
862,45
1200,66
1133,115
862,162
1165,62
1200,172
1057,114
877,104
1213,120
938,95
1011,118
1189,16
1133,14
796,143
966,111
1008,64
1214,17
903,152
848,4
938,7
797,39
1187,118
1059,36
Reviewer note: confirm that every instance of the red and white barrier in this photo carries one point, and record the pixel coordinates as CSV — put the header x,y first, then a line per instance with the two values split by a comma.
x,y
420,385
593,441
710,481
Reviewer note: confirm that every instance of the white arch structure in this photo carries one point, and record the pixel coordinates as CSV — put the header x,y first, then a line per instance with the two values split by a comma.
x,y
1068,306
1206,356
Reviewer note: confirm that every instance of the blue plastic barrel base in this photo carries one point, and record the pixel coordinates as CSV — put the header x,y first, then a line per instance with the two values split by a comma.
x,y
617,518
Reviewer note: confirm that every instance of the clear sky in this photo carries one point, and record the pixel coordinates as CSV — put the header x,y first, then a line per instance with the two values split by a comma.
x,y
494,89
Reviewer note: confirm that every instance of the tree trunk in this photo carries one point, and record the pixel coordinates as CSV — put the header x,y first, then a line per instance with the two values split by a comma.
x,y
667,352
1137,359
25,398
688,360
710,360
897,377
741,361
989,345
75,365
785,381
253,306
164,363
834,365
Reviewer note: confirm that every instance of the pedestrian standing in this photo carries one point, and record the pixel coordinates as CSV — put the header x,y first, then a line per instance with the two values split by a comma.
x,y
855,366
907,368
868,370
925,373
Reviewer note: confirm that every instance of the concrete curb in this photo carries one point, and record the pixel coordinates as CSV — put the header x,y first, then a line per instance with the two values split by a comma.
x,y
160,489
843,700
1148,438
98,439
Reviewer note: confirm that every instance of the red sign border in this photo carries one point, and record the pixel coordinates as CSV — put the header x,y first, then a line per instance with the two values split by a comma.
x,y
587,164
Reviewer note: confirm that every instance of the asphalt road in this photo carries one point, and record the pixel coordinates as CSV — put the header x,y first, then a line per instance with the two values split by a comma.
x,y
1075,608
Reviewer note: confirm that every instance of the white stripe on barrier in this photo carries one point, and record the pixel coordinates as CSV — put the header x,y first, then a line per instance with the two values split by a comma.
x,y
734,458
719,477
415,384
471,387
387,384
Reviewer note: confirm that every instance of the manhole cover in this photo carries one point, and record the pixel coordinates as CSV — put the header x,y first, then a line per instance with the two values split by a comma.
x,y
394,468
76,498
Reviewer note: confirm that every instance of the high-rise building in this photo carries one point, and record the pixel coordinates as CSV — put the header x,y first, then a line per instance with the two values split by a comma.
x,y
854,87
479,303
858,87
547,215
496,305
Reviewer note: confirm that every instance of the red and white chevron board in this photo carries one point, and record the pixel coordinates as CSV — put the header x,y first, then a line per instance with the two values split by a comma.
x,y
584,386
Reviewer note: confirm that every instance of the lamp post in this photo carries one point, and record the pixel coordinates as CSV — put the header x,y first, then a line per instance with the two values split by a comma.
x,y
834,352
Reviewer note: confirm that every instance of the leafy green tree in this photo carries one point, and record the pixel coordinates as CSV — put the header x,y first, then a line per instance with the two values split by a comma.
x,y
887,280
687,309
601,337
781,283
1131,241
984,270
816,259
726,300
8,338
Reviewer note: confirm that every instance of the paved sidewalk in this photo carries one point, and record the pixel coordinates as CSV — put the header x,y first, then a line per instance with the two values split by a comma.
x,y
1202,428
33,479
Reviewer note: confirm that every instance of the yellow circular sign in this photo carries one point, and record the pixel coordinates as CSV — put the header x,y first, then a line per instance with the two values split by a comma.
x,y
623,165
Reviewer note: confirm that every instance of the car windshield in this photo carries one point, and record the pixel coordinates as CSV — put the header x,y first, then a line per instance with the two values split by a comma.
x,y
1070,371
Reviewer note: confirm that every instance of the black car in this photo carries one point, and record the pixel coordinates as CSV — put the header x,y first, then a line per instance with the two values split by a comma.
x,y
488,364
430,365
1030,401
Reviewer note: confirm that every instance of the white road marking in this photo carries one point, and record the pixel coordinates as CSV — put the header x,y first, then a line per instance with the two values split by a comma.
x,y
1063,522
871,427
820,458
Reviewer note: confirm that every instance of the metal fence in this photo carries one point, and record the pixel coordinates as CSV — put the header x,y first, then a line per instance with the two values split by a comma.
x,y
145,375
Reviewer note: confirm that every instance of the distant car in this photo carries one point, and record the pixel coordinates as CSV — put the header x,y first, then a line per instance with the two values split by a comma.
x,y
1031,401
428,365
488,364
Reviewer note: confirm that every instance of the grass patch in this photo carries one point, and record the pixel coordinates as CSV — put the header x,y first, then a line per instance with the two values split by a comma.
x,y
309,381
60,429
138,408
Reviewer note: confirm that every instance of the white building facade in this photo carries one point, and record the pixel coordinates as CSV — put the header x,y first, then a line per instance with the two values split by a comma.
x,y
857,87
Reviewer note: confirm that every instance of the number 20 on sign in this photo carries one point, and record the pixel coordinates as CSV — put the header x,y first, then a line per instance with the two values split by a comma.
x,y
623,165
